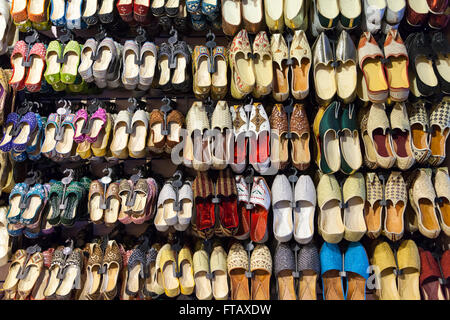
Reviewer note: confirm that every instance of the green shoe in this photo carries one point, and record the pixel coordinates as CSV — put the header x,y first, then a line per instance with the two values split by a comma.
x,y
52,56
74,194
351,157
71,57
78,85
59,86
326,127
55,196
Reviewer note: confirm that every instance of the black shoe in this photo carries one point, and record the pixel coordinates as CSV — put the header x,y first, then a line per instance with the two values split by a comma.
x,y
441,50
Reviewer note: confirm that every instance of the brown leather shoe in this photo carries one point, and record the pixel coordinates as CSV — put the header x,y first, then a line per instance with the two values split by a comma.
x,y
279,143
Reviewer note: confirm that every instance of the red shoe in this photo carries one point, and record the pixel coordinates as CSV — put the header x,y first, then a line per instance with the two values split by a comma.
x,y
437,6
429,277
244,214
141,8
227,192
439,21
416,12
445,267
18,56
261,199
203,190
36,58
125,8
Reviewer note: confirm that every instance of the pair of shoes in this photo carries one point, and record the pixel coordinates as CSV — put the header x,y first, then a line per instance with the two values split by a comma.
x,y
137,200
22,134
328,14
386,201
27,13
72,15
297,60
260,265
173,66
299,141
429,131
251,129
238,14
138,65
202,11
430,273
98,127
398,285
289,220
167,214
23,274
210,72
435,11
337,139
208,194
104,207
291,13
307,263
129,134
331,198
429,62
355,264
58,136
214,265
24,59
430,201
134,9
382,15
158,142
386,141
253,209
335,76
384,73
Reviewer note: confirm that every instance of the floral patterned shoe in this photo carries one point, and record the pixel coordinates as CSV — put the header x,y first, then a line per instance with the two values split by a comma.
x,y
27,126
36,58
18,56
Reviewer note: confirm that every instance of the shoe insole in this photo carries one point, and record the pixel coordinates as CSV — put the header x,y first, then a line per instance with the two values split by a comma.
x,y
106,7
32,208
328,8
304,220
286,290
281,84
158,3
179,74
219,78
350,8
381,142
64,146
120,139
331,150
331,218
282,219
14,206
112,213
94,279
260,285
203,290
86,61
432,290
105,56
356,287
438,138
147,70
174,132
445,211
133,278
373,216
291,8
220,285
18,6
350,148
159,219
36,7
374,75
425,72
185,215
23,135
263,70
35,71
41,283
11,279
346,79
419,136
232,12
245,67
151,282
332,285
397,73
131,69
57,9
239,285
354,215
145,3
94,207
388,286
325,81
427,211
186,279
79,125
394,217
136,144
97,125
307,285
202,76
19,70
300,76
112,276
408,284
240,150
53,281
369,147
53,67
164,76
71,64
90,8
258,223
279,149
27,284
140,202
443,66
67,283
169,214
263,151
172,3
170,282
74,10
252,10
419,6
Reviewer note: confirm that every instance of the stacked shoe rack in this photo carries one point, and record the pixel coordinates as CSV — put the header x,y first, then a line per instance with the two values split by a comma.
x,y
160,166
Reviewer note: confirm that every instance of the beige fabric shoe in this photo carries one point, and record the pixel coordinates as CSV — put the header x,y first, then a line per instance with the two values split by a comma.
x,y
197,149
301,56
354,192
373,210
419,124
263,65
274,15
280,91
440,129
422,198
221,142
442,187
396,201
401,137
331,226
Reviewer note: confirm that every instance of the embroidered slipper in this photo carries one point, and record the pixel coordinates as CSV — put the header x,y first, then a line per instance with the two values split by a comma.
x,y
201,66
280,74
36,57
408,260
259,126
186,198
260,197
221,142
16,196
351,157
186,267
112,204
135,271
71,57
261,266
175,123
125,188
11,122
95,199
119,143
149,57
81,118
237,266
243,194
18,56
86,62
219,79
35,200
227,193
167,265
139,127
242,69
203,290
30,275
26,128
53,54
167,193
203,223
96,123
74,195
99,147
430,286
284,265
308,264
279,155
440,129
240,127
141,195
156,139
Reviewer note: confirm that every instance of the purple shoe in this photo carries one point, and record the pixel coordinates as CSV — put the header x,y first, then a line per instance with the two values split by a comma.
x,y
80,119
10,124
97,122
27,126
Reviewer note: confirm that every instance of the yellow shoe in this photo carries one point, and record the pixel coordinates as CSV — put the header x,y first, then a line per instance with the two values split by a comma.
x,y
102,142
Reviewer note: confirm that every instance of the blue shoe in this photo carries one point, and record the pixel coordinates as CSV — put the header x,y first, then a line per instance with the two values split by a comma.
x,y
198,25
16,196
58,21
192,6
77,23
213,16
331,266
356,265
209,8
34,151
18,156
39,193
